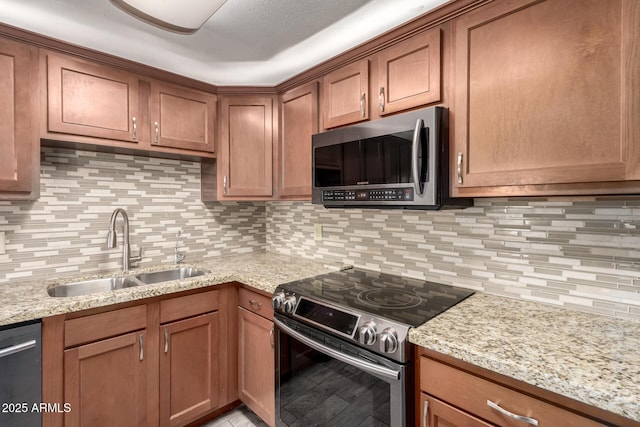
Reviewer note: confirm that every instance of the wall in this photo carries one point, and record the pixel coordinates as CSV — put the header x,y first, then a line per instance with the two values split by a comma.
x,y
64,232
580,253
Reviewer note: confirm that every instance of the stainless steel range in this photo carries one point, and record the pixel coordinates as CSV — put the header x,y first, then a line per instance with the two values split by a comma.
x,y
343,356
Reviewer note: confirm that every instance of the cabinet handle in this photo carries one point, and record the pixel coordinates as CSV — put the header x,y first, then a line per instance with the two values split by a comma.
x,y
7,351
271,340
135,129
166,340
157,132
141,347
363,98
459,168
506,413
255,304
381,99
425,412
224,184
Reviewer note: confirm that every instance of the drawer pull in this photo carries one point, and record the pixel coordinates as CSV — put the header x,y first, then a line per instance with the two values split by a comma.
x,y
459,168
141,347
166,340
135,128
425,412
255,304
506,413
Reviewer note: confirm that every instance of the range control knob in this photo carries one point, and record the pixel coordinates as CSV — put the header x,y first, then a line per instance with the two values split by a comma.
x,y
388,341
277,301
289,304
367,333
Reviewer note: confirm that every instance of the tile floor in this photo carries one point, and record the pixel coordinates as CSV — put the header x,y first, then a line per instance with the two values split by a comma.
x,y
239,417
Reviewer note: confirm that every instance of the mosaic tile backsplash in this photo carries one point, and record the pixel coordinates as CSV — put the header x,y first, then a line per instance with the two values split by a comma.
x,y
65,231
582,253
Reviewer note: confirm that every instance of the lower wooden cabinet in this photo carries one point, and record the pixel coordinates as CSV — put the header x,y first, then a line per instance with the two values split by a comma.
x,y
256,367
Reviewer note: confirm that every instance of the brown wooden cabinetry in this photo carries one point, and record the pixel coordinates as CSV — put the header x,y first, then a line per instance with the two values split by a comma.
x,y
19,162
245,160
409,73
299,120
346,95
256,366
182,118
545,99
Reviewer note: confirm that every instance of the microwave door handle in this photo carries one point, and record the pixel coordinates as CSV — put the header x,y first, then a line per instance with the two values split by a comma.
x,y
415,148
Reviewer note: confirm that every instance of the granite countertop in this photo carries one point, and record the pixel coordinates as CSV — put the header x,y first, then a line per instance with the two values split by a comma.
x,y
23,301
589,358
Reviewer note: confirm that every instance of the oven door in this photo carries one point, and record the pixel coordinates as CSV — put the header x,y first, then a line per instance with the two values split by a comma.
x,y
322,380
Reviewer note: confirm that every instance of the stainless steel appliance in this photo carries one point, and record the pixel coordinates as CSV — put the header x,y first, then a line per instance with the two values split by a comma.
x,y
342,353
21,379
399,161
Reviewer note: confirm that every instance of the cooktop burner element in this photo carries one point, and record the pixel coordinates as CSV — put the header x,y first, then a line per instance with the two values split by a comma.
x,y
394,299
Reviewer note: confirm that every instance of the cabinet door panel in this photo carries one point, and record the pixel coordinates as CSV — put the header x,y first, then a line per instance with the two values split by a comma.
x,y
540,97
299,122
346,95
105,382
19,163
188,369
91,100
409,73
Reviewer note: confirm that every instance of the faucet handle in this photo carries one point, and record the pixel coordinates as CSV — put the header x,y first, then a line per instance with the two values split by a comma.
x,y
136,258
179,257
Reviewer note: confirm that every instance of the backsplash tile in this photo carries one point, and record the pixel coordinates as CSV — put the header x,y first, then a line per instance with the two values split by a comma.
x,y
64,232
582,253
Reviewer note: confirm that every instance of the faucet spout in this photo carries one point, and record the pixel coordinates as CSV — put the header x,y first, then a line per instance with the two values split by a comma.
x,y
126,247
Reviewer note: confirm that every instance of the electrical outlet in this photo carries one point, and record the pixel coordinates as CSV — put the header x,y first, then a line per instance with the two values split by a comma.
x,y
3,249
317,232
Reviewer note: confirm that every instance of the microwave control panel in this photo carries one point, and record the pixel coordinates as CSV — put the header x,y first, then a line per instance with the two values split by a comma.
x,y
369,195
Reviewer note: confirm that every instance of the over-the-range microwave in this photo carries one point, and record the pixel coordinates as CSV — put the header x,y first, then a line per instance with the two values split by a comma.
x,y
395,162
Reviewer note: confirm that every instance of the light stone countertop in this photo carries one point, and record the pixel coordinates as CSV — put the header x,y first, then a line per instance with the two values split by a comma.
x,y
23,301
589,358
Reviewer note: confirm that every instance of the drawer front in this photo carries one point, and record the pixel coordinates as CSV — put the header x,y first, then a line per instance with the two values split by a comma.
x,y
104,325
187,306
473,393
255,302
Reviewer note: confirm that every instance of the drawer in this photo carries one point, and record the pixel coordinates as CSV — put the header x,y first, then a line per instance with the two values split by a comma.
x,y
255,302
104,325
188,306
472,393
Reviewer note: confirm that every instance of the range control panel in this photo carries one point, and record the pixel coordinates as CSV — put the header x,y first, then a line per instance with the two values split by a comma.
x,y
377,195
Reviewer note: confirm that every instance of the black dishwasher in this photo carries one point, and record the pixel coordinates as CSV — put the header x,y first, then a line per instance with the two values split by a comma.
x,y
20,375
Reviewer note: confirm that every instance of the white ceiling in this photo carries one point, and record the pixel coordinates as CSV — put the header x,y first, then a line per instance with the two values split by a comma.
x,y
246,42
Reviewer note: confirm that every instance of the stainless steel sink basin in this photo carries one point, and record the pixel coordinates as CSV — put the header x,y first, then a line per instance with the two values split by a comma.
x,y
169,275
88,287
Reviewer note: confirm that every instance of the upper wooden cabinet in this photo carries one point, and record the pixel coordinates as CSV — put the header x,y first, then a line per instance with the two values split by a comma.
x,y
182,118
91,100
409,73
299,120
244,167
546,94
346,95
19,162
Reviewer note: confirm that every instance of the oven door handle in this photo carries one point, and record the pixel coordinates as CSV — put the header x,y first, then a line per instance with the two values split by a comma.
x,y
350,360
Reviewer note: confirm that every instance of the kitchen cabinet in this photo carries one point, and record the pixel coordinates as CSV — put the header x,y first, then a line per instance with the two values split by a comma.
x,y
182,118
409,73
299,121
346,95
256,365
544,100
453,397
92,100
19,143
245,161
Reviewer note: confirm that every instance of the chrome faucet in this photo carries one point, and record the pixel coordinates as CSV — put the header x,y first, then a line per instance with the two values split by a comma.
x,y
127,259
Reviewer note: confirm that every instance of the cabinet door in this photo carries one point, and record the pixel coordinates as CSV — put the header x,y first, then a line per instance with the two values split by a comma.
x,y
182,118
91,100
346,95
256,366
19,162
188,369
246,152
409,73
299,122
544,95
105,382
435,413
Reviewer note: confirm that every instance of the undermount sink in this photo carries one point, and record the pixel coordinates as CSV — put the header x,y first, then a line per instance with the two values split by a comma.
x,y
169,275
88,287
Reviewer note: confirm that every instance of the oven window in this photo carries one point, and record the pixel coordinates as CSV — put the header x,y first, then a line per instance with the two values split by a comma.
x,y
317,390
